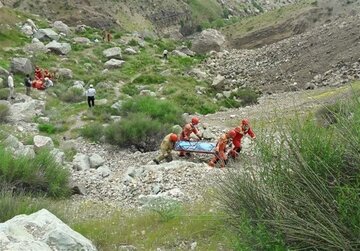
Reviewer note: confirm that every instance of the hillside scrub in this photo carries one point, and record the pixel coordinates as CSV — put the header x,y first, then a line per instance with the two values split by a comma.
x,y
40,175
303,192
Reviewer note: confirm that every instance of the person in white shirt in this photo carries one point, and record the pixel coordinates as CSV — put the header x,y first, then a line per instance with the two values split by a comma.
x,y
90,94
165,54
11,85
48,82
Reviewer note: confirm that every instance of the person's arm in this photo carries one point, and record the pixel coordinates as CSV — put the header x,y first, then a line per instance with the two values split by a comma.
x,y
251,133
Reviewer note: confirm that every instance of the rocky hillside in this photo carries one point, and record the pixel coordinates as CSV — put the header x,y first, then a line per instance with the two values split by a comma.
x,y
167,17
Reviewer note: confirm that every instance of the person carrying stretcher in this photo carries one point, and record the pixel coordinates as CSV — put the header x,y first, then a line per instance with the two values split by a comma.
x,y
167,145
187,131
243,129
220,150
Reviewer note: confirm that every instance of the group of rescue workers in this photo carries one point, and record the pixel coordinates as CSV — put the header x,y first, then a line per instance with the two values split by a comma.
x,y
221,154
42,79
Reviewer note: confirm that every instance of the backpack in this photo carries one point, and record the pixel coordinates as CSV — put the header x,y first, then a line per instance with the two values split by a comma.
x,y
27,82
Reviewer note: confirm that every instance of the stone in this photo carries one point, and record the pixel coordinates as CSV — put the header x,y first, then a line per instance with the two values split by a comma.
x,y
81,40
114,63
21,65
41,231
46,34
114,52
96,160
208,40
61,27
81,162
59,48
43,142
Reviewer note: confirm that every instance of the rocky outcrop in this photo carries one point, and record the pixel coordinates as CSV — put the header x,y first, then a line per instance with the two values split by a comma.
x,y
208,40
41,231
21,65
59,48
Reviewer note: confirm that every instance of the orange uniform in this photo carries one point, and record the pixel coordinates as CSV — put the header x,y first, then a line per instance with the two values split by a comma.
x,y
188,130
241,131
220,149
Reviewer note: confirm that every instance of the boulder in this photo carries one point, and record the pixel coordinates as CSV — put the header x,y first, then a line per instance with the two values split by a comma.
x,y
59,48
218,82
114,52
21,65
96,160
114,63
61,27
26,111
208,40
81,40
43,142
81,162
46,34
27,30
186,50
130,51
35,48
64,73
40,231
4,72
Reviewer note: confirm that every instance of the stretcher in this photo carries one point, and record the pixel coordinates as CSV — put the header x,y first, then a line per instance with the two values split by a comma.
x,y
195,146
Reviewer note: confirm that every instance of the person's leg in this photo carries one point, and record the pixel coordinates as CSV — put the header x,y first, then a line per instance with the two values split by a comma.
x,y
93,101
89,100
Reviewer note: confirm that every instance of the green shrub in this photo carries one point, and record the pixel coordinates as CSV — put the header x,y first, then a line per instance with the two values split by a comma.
x,y
93,132
4,112
163,111
4,93
149,79
12,205
47,128
40,175
73,95
303,193
138,130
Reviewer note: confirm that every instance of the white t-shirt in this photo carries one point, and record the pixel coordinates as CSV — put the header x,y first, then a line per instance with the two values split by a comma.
x,y
90,92
10,82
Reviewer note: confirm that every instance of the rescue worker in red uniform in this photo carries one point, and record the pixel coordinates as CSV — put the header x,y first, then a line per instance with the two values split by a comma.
x,y
167,145
220,150
47,74
186,132
38,74
241,130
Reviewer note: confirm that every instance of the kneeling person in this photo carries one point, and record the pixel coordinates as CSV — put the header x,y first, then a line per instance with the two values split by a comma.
x,y
166,147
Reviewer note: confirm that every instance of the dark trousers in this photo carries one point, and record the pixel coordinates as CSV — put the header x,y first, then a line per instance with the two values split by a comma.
x,y
91,101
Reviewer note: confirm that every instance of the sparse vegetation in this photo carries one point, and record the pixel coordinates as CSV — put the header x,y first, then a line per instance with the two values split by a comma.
x,y
4,112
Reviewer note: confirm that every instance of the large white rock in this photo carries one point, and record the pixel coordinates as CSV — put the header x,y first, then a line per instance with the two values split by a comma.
x,y
40,231
21,65
26,111
46,34
96,160
81,162
208,40
59,48
114,63
43,142
114,52
61,27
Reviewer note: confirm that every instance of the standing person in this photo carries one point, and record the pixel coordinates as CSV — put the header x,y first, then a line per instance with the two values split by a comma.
x,y
11,86
27,83
165,54
90,94
221,149
243,129
166,147
186,132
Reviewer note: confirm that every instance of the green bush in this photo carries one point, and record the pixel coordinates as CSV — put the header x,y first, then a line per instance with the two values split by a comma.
x,y
4,112
138,130
4,93
40,175
304,192
12,205
93,132
47,128
149,79
73,95
163,111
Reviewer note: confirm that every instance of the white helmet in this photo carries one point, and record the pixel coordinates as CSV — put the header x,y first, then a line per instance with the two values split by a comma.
x,y
91,86
46,78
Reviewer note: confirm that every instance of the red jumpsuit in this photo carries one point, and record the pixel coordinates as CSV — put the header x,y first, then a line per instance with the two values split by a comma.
x,y
220,151
38,74
240,133
186,132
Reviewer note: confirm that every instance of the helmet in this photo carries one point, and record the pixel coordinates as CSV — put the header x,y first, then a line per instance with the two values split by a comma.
x,y
195,120
173,137
232,134
46,79
238,129
245,122
91,86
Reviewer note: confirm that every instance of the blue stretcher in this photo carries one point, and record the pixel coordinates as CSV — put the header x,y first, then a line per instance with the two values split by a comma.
x,y
195,146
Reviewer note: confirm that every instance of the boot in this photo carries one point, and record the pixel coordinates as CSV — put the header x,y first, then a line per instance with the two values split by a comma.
x,y
156,161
